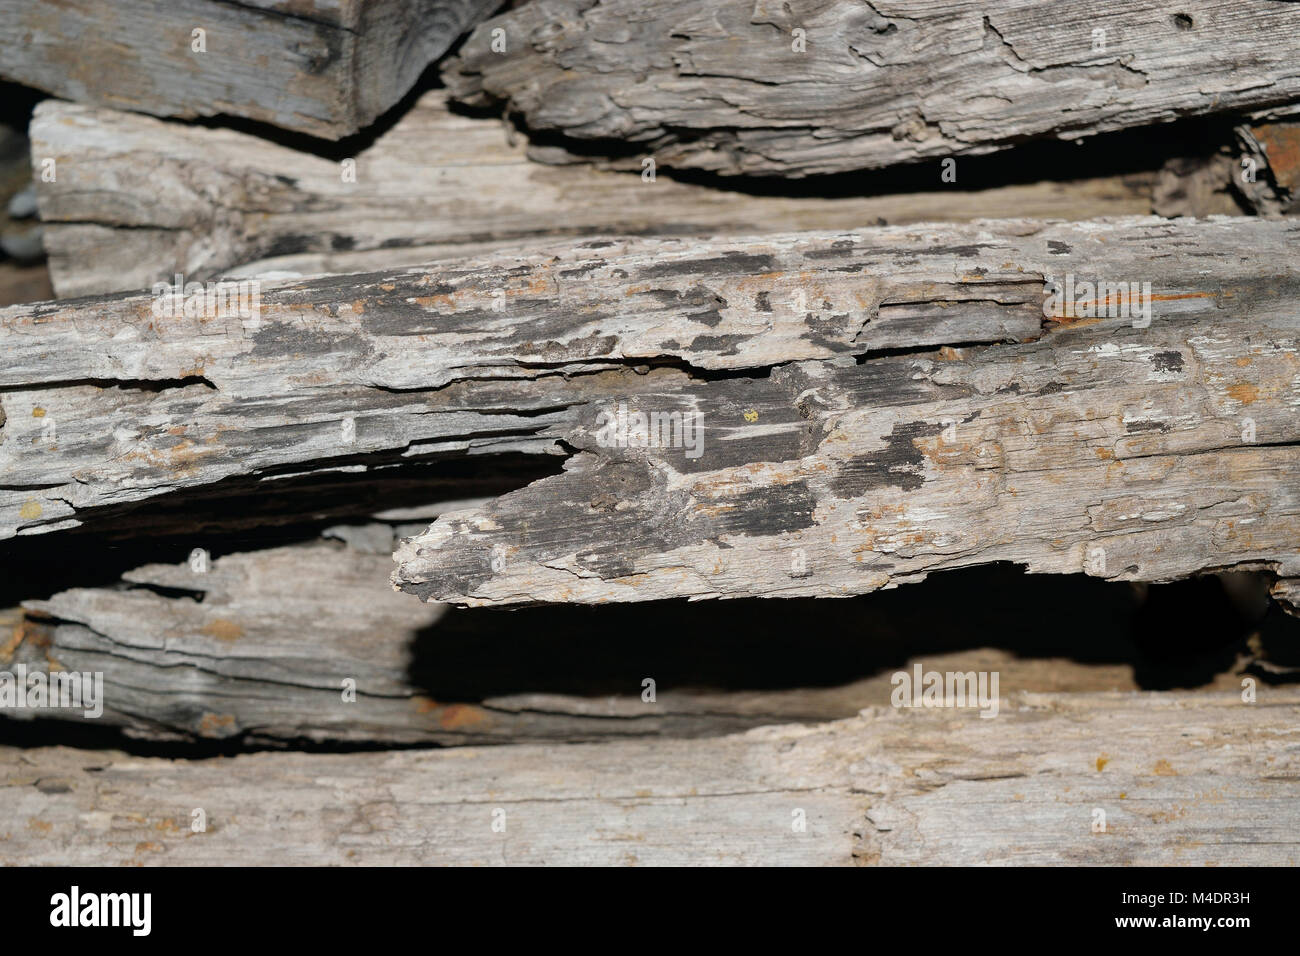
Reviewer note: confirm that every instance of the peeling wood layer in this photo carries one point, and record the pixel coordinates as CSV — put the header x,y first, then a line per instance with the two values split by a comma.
x,y
255,647
109,404
820,86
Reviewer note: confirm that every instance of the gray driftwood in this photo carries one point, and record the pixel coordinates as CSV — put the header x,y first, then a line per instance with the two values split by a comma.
x,y
816,86
324,67
137,200
255,646
1180,779
109,406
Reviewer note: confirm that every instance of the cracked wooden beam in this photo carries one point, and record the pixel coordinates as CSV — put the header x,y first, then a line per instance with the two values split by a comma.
x,y
822,86
1127,450
322,67
108,405
1181,779
253,647
138,200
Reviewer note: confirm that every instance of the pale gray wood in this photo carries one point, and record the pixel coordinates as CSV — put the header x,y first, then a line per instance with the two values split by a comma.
x,y
423,363
255,647
324,67
722,87
1182,779
1127,453
138,200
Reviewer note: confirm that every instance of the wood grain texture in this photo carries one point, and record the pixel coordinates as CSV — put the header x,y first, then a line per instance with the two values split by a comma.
x,y
323,67
724,88
254,651
1183,779
108,406
138,200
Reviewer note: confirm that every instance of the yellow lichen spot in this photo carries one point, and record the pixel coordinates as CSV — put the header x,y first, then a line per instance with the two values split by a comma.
x,y
30,510
38,412
1163,769
1101,762
751,415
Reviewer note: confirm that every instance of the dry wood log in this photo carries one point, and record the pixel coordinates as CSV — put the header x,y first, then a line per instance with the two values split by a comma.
x,y
324,67
523,352
816,86
255,647
1182,779
138,200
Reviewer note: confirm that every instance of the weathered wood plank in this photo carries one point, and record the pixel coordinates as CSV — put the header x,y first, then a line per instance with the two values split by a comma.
x,y
109,405
254,648
138,200
1182,779
817,86
1127,453
324,67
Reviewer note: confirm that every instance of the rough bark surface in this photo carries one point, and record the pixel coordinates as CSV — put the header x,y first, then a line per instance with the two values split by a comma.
x,y
324,67
107,405
1190,779
138,200
726,87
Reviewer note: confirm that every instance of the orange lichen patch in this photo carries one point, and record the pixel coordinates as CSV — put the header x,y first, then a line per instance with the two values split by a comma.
x,y
1074,322
166,826
1163,769
1101,762
424,705
180,459
39,826
1243,392
146,847
222,629
359,306
949,354
38,412
1104,453
1281,142
455,716
439,302
216,725
1243,361
30,510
